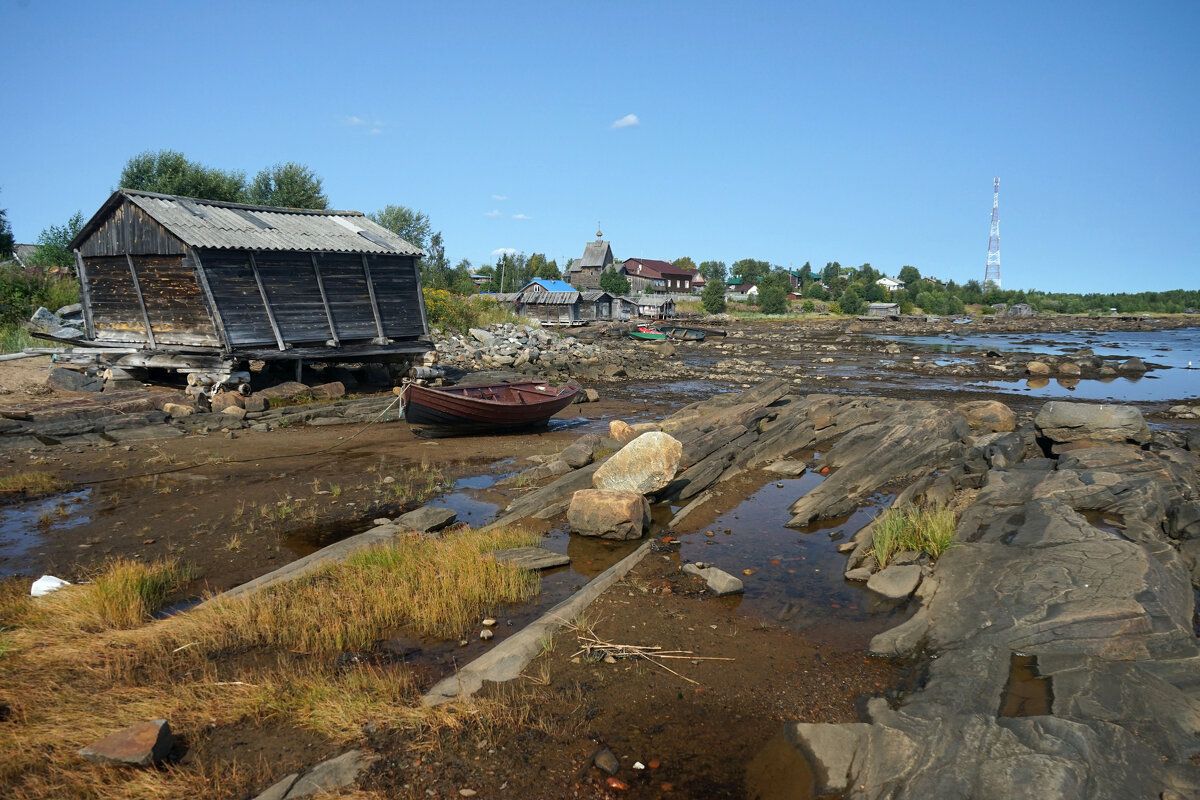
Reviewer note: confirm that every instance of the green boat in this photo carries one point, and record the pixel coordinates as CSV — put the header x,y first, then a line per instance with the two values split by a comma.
x,y
653,336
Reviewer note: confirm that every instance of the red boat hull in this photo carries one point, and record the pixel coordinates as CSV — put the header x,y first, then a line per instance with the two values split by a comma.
x,y
489,408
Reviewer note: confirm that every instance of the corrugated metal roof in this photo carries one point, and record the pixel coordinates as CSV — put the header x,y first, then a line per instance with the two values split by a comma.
x,y
550,298
236,226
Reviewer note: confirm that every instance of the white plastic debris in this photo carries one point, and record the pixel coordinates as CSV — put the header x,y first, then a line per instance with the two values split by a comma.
x,y
638,765
47,584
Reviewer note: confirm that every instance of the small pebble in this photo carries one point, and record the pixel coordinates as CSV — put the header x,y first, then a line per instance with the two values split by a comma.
x,y
390,479
467,792
485,634
489,622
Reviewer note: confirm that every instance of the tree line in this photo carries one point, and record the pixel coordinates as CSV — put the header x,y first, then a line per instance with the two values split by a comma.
x,y
847,289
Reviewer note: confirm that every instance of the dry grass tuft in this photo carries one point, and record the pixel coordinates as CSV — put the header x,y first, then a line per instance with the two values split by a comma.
x,y
73,669
122,594
31,483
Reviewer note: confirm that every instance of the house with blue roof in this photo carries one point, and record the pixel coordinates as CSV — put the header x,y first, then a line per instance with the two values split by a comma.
x,y
552,302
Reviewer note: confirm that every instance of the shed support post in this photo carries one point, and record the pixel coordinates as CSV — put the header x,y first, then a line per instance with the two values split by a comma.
x,y
137,287
333,337
380,338
84,296
262,290
202,279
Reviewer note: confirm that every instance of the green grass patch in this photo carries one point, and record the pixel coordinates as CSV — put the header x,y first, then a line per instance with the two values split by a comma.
x,y
927,530
122,594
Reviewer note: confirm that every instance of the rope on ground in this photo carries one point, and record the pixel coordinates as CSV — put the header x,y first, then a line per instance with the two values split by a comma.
x,y
183,467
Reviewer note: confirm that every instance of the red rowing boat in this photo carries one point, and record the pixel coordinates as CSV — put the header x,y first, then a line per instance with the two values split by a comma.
x,y
489,408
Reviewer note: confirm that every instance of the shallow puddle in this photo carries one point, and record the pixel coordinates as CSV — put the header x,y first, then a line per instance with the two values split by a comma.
x,y
780,771
1027,693
793,577
27,527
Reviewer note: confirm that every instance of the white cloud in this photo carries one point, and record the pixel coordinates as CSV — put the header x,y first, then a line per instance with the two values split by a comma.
x,y
504,251
522,216
493,213
627,121
375,126
375,131
499,197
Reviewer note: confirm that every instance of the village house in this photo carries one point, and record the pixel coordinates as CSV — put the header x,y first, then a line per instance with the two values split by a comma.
x,y
891,284
179,279
550,302
649,275
655,306
883,310
585,272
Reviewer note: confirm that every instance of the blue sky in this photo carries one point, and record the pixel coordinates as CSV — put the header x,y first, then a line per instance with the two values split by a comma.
x,y
789,132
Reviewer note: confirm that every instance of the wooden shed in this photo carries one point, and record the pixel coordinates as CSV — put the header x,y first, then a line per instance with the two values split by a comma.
x,y
180,277
596,305
550,302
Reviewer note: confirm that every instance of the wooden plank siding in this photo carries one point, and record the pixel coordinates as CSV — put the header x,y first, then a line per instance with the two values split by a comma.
x,y
398,292
236,294
349,299
174,301
131,230
116,313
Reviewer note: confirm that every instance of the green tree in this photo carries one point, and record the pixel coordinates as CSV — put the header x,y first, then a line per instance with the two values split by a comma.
x,y
851,303
909,275
816,291
410,225
170,172
6,235
539,267
287,185
751,270
54,244
875,293
614,282
712,297
772,293
684,263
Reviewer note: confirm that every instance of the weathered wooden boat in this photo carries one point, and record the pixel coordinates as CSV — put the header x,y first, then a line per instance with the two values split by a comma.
x,y
486,408
683,333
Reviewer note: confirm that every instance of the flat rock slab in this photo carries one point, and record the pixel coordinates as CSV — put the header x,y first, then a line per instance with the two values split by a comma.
x,y
71,380
324,777
139,745
896,583
719,582
142,434
608,514
426,519
531,558
791,469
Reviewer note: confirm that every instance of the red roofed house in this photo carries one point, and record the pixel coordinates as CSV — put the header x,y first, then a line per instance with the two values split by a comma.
x,y
648,275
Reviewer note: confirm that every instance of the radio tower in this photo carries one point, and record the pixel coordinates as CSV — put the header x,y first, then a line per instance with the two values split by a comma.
x,y
992,270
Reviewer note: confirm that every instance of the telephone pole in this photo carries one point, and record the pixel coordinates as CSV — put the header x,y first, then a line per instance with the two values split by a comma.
x,y
992,271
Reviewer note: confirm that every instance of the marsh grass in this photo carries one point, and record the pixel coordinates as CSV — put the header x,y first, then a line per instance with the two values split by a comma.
x,y
31,483
72,670
122,594
922,529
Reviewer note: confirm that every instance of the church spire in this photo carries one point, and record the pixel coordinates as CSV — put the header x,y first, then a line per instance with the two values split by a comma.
x,y
599,233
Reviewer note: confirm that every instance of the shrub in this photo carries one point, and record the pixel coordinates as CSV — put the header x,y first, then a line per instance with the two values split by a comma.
x,y
445,309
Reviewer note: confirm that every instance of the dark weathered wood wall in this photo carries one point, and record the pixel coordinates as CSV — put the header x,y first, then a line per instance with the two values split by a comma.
x,y
174,304
131,230
291,286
